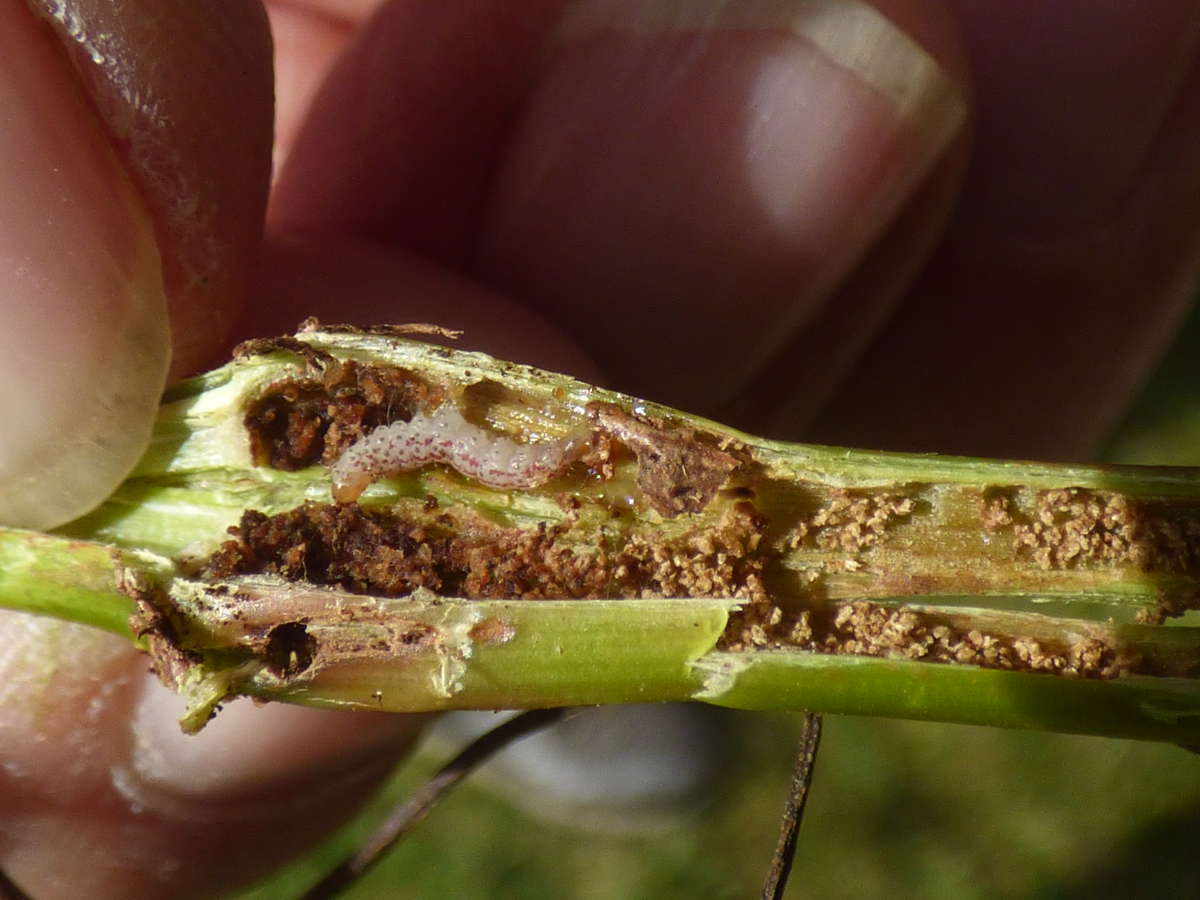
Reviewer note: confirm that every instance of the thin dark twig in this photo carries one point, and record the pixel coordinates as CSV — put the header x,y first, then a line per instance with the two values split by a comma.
x,y
793,809
410,813
9,890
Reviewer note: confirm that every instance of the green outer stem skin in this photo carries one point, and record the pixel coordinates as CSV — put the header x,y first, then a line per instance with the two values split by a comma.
x,y
1156,709
560,653
71,580
1137,708
591,652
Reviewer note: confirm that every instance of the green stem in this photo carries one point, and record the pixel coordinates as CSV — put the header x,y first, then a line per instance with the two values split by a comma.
x,y
73,580
752,573
1137,708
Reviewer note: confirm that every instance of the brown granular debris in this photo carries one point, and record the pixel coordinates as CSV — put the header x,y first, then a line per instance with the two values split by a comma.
x,y
1170,604
1078,528
869,629
765,626
852,521
863,628
677,471
724,561
1074,527
384,553
599,456
299,423
995,510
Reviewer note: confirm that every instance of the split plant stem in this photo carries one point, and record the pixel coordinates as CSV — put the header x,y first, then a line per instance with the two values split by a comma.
x,y
664,557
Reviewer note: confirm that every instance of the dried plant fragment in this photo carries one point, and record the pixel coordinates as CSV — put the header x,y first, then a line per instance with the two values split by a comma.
x,y
677,471
312,325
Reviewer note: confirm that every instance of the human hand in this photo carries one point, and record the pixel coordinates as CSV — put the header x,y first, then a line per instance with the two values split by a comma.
x,y
726,220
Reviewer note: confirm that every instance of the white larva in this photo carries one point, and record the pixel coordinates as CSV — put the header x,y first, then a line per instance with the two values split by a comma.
x,y
444,436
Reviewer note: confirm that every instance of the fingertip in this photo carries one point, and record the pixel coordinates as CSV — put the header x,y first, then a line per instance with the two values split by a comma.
x,y
690,181
307,41
104,798
1072,100
85,343
362,282
252,751
401,140
148,181
1074,250
184,90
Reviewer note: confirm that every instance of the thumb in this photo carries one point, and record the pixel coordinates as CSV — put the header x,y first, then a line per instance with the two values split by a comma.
x,y
134,146
133,199
84,347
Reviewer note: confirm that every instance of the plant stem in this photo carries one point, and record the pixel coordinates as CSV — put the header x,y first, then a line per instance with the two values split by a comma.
x,y
673,559
72,580
442,653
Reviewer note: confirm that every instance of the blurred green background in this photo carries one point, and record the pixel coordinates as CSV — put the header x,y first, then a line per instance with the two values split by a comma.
x,y
898,809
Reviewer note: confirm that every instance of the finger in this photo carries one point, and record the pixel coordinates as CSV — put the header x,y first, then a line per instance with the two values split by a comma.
x,y
689,181
184,90
87,319
790,390
84,346
308,35
349,11
103,797
259,784
306,42
148,812
347,279
401,141
1074,252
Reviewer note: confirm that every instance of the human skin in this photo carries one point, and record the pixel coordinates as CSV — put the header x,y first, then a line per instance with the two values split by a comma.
x,y
743,214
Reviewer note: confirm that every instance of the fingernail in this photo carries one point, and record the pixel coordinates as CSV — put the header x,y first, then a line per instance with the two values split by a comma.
x,y
252,750
85,345
716,156
859,38
855,36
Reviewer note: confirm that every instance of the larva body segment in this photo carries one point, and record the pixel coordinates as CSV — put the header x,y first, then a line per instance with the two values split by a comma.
x,y
444,436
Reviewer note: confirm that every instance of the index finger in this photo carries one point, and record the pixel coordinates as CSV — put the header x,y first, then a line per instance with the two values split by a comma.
x,y
678,185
